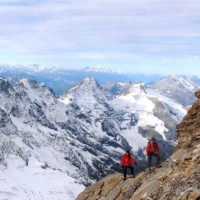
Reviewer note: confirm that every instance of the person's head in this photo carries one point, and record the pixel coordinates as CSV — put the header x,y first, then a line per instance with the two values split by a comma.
x,y
128,151
153,139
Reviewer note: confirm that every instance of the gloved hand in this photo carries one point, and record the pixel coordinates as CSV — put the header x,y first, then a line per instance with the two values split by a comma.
x,y
135,163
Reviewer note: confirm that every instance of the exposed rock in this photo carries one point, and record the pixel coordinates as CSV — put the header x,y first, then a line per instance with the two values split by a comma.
x,y
177,179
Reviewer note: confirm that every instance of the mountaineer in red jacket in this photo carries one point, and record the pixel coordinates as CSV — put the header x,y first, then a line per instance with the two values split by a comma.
x,y
127,162
153,150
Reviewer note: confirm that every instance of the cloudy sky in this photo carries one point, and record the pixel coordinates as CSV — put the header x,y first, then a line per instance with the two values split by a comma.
x,y
147,36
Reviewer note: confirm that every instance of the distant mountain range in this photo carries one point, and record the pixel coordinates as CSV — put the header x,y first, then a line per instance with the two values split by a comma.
x,y
61,80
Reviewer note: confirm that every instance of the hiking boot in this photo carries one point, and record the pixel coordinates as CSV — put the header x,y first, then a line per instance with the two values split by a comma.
x,y
124,179
158,166
133,176
149,169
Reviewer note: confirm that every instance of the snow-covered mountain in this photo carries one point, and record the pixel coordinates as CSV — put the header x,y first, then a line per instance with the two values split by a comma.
x,y
52,147
138,113
180,88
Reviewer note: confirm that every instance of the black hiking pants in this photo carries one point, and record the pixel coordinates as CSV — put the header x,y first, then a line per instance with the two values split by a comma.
x,y
150,158
125,170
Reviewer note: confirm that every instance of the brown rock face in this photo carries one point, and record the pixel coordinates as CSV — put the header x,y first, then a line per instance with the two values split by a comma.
x,y
189,129
177,179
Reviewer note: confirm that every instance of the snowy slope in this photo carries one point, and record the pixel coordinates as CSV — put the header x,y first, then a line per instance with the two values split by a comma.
x,y
141,102
19,182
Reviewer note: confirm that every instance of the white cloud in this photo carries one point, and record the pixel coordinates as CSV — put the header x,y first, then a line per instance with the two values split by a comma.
x,y
101,30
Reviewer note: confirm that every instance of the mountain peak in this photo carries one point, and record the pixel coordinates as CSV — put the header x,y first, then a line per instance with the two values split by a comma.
x,y
89,84
87,94
27,83
138,89
90,81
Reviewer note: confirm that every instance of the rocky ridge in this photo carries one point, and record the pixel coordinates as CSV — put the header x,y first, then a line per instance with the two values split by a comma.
x,y
177,179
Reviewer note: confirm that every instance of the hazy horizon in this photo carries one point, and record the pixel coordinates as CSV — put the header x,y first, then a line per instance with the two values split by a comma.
x,y
40,67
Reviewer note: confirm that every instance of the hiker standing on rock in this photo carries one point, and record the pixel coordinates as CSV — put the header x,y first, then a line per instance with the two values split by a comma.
x,y
128,161
153,150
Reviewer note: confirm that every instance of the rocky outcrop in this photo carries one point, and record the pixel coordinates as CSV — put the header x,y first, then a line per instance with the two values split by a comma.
x,y
177,179
189,129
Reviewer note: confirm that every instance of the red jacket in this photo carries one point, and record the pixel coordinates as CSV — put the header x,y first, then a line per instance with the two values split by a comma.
x,y
126,160
152,147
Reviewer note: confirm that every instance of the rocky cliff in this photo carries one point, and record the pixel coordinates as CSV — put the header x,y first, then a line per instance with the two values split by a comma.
x,y
177,179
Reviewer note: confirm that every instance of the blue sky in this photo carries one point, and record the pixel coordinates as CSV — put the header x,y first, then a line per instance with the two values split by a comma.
x,y
146,36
